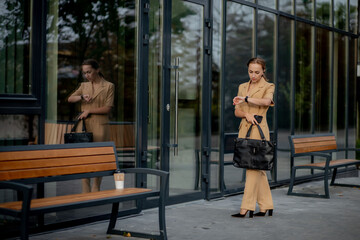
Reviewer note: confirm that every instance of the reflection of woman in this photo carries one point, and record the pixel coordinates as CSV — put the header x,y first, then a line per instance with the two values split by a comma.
x,y
254,98
97,99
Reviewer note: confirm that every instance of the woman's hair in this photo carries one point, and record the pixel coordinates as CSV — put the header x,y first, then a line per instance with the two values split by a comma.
x,y
94,64
260,61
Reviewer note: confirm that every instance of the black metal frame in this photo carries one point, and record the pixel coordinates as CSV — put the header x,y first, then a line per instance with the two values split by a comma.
x,y
327,168
26,211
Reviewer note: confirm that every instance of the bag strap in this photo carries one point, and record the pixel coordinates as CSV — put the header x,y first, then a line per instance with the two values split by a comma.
x,y
260,130
76,123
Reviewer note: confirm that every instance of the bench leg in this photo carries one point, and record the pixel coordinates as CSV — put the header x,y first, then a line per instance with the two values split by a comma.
x,y
326,183
24,228
333,176
113,217
162,223
292,180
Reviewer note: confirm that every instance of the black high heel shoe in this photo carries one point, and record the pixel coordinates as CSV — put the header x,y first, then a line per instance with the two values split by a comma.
x,y
239,215
262,214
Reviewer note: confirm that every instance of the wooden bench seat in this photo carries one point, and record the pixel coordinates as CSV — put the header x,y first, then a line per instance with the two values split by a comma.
x,y
320,145
23,165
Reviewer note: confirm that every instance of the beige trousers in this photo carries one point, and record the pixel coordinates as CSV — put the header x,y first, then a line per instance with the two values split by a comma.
x,y
86,186
257,190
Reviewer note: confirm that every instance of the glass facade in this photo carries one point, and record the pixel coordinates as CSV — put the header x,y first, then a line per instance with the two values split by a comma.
x,y
176,66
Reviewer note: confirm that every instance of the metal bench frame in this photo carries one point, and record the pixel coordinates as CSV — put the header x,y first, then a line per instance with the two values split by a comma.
x,y
22,187
327,167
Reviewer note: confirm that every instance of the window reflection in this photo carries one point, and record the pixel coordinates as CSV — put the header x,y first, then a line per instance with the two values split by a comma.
x,y
323,10
323,80
304,9
340,14
353,16
18,130
303,78
239,29
15,46
283,100
104,31
339,88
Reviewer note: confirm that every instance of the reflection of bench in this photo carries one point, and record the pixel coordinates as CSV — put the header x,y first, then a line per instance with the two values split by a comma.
x,y
321,145
54,132
228,148
24,165
123,135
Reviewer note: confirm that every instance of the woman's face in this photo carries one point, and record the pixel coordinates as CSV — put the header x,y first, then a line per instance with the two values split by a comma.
x,y
255,72
90,73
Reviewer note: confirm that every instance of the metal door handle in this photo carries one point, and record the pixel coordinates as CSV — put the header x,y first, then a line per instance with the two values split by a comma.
x,y
176,136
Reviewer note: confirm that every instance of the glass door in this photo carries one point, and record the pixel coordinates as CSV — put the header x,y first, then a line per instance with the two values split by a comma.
x,y
189,104
178,95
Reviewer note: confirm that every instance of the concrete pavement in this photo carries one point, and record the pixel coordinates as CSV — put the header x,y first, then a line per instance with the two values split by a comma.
x,y
295,218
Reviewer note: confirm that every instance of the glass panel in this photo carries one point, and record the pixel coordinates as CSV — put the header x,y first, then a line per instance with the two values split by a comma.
x,y
323,11
354,22
303,99
15,27
283,101
18,129
155,63
267,3
352,97
322,87
286,6
340,14
239,29
266,50
186,45
304,9
215,96
109,40
105,31
339,96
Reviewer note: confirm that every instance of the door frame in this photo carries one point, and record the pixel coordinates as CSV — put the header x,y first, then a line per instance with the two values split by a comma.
x,y
206,99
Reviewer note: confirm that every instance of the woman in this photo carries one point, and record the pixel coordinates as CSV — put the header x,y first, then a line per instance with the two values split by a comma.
x,y
97,99
254,98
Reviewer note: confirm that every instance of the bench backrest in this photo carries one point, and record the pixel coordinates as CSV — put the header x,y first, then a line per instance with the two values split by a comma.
x,y
302,144
121,133
39,161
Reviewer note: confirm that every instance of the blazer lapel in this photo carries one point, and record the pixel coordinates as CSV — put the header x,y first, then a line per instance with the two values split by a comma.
x,y
99,89
258,88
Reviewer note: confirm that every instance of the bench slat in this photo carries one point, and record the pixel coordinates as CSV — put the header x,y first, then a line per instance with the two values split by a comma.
x,y
51,153
55,162
307,149
57,171
74,198
313,139
333,163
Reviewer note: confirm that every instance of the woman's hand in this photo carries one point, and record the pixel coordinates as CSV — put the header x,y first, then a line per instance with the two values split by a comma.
x,y
250,118
238,100
84,114
87,98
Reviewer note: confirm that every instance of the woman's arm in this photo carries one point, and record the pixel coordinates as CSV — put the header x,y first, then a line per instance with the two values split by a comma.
x,y
100,110
257,101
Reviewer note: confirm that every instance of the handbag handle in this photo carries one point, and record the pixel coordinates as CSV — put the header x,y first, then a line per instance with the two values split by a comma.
x,y
76,123
260,130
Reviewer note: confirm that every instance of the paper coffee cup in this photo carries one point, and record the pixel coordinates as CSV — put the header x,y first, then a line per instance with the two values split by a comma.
x,y
119,180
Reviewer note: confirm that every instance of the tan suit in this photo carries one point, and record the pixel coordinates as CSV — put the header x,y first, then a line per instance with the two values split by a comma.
x,y
98,124
257,188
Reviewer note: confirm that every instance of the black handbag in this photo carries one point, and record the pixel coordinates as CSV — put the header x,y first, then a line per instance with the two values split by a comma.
x,y
253,154
74,137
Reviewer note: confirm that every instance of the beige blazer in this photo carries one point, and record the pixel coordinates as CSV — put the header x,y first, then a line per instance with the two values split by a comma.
x,y
264,89
98,124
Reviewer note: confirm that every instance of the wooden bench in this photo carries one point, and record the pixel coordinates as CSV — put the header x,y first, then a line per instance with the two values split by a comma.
x,y
22,165
322,145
